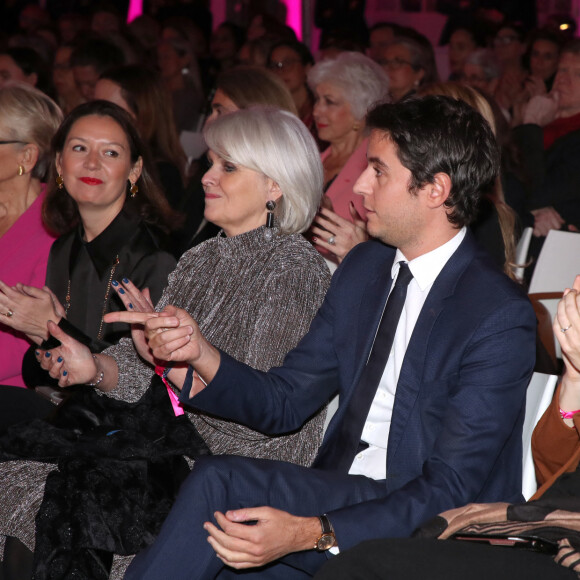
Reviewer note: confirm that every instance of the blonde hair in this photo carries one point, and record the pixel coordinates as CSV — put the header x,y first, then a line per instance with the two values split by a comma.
x,y
30,116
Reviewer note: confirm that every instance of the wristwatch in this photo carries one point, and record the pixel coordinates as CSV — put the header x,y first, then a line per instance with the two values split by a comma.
x,y
327,538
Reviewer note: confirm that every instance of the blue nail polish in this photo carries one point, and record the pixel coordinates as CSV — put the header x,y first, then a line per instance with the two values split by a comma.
x,y
121,291
59,359
130,306
46,354
115,283
64,373
37,352
125,280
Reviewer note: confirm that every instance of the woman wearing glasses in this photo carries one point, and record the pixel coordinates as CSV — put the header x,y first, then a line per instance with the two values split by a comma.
x,y
28,120
409,64
292,61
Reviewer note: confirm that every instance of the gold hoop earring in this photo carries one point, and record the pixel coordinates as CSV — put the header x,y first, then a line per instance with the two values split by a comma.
x,y
134,189
356,127
59,181
20,170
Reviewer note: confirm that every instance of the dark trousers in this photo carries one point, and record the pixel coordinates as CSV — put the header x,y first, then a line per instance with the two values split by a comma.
x,y
409,559
223,483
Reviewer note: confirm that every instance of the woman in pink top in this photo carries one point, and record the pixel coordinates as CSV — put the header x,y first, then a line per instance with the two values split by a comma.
x,y
28,120
344,88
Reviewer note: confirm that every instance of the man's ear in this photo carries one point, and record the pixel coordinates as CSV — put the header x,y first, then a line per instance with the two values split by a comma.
x,y
438,191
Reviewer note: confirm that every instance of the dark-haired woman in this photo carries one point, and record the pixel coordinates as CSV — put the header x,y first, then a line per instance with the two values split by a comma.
x,y
108,212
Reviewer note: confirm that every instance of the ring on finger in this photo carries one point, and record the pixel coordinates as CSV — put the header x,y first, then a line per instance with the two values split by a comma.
x,y
565,329
8,314
332,240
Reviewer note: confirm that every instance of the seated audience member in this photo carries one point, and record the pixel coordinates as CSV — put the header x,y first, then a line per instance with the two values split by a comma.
x,y
89,60
108,212
236,88
24,65
292,61
542,56
179,72
28,120
462,42
65,87
255,289
509,47
344,89
428,423
482,70
409,62
550,517
225,43
140,92
381,35
549,144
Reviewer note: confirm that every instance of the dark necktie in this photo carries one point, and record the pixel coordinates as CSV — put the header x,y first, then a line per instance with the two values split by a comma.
x,y
345,444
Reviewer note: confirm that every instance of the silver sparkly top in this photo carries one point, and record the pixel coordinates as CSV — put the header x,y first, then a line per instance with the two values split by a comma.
x,y
254,299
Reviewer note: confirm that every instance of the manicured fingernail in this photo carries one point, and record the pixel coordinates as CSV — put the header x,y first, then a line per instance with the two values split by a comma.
x,y
64,373
46,354
115,283
125,280
59,359
315,239
121,291
130,306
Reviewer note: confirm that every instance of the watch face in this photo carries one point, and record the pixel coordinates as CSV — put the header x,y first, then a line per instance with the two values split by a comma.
x,y
325,542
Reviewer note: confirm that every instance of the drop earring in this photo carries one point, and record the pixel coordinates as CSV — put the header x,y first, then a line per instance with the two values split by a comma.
x,y
269,231
59,181
133,189
20,170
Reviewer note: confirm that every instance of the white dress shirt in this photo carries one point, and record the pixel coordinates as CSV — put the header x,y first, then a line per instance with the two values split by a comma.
x,y
372,462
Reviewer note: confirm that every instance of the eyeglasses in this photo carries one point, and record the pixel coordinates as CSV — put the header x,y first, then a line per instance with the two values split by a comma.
x,y
279,65
504,40
11,142
394,63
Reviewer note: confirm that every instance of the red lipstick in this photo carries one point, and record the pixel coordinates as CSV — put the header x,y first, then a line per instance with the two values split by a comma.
x,y
91,180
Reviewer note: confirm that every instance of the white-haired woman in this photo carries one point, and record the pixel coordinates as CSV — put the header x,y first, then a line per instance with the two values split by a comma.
x,y
344,89
254,288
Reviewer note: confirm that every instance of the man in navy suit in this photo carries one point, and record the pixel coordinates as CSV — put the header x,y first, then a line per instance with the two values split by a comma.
x,y
443,426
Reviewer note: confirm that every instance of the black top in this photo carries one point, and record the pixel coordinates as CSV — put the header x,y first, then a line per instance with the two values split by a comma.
x,y
89,266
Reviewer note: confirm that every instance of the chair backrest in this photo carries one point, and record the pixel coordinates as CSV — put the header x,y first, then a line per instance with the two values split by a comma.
x,y
522,253
558,263
538,397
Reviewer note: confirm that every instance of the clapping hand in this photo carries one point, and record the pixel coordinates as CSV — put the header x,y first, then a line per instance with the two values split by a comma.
x,y
28,309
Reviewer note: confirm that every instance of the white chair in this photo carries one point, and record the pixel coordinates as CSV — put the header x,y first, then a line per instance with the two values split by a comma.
x,y
538,397
522,253
557,265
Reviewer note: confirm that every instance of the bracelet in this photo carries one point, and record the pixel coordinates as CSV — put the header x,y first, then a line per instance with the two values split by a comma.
x,y
100,376
568,414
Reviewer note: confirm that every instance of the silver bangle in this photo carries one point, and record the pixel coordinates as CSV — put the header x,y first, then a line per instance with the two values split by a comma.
x,y
100,376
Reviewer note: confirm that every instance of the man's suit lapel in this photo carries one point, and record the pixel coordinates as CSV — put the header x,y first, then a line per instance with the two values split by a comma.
x,y
410,378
